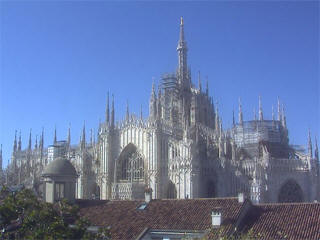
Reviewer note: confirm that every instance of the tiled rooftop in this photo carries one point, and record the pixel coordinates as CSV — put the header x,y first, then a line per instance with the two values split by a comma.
x,y
289,221
127,222
266,221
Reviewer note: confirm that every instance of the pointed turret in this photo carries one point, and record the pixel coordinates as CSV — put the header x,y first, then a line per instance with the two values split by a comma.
x,y
283,120
153,102
41,149
29,145
207,87
91,137
141,114
83,137
15,142
199,82
112,112
19,142
260,110
233,120
127,111
309,145
254,114
240,112
217,123
42,139
159,105
153,90
69,136
107,110
36,144
316,150
55,135
279,110
182,59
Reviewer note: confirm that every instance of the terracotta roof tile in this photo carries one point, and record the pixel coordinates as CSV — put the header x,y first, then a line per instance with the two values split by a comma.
x,y
290,221
127,222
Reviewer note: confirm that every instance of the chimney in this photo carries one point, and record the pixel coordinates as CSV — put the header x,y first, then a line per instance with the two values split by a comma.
x,y
147,194
216,217
240,197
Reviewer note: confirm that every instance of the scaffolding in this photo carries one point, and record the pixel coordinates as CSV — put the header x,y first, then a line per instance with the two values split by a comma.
x,y
169,82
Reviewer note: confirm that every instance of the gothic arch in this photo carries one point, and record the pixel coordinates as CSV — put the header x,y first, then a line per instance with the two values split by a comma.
x,y
131,165
171,190
290,192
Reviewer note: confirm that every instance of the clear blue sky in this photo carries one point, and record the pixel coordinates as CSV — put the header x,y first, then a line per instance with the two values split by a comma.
x,y
60,58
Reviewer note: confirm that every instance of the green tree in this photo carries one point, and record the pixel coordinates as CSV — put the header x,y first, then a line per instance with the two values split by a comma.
x,y
24,216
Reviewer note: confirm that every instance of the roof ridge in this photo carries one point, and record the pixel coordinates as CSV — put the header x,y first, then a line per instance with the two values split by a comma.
x,y
188,199
287,203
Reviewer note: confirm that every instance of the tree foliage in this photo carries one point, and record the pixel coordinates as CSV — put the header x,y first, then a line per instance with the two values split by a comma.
x,y
24,216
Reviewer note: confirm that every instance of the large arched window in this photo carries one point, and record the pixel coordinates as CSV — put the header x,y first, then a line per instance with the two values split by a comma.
x,y
290,192
131,164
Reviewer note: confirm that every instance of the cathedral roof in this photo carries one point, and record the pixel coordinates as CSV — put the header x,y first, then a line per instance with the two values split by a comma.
x,y
60,167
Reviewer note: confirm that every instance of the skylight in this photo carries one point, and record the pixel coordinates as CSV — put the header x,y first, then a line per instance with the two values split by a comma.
x,y
142,206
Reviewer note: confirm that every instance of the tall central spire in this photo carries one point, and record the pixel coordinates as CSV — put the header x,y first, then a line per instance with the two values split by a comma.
x,y
182,58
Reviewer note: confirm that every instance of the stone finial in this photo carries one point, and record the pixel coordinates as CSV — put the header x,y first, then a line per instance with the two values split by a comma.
x,y
316,150
260,110
107,110
309,144
240,112
69,135
29,145
112,112
55,135
127,111
279,110
199,82
15,142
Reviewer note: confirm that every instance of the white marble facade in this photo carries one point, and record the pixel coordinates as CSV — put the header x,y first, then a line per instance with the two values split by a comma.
x,y
182,151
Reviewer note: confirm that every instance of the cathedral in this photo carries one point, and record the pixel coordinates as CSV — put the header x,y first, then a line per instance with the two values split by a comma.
x,y
179,151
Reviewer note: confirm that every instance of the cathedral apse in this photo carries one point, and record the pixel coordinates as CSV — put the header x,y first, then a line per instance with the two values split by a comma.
x,y
181,150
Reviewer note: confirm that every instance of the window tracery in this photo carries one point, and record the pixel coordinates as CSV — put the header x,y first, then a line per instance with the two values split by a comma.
x,y
132,167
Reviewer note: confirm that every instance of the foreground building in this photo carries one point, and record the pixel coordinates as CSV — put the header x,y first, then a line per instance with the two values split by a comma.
x,y
214,218
180,151
205,218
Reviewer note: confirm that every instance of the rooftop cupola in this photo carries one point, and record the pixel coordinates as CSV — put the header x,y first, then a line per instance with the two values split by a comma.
x,y
59,181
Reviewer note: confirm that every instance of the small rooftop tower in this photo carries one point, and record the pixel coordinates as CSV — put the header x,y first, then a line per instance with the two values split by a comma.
x,y
59,181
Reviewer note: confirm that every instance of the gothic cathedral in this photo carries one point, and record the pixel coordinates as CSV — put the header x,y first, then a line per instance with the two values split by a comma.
x,y
180,151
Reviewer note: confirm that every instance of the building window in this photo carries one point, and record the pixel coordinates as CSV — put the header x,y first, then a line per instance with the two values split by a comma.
x,y
133,168
59,191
